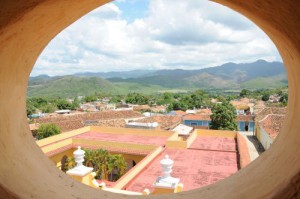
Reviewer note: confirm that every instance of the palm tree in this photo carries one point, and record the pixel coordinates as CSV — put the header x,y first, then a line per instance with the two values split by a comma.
x,y
101,159
89,158
117,165
105,164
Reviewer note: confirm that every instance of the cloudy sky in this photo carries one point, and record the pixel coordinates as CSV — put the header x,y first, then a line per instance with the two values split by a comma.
x,y
155,34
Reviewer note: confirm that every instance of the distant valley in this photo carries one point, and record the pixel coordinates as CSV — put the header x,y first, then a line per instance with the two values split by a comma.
x,y
229,76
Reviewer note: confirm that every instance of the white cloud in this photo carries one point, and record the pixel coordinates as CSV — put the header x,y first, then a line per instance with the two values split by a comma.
x,y
174,34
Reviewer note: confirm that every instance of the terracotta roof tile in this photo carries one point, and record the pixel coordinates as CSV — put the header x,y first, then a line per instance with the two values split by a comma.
x,y
247,118
272,124
270,110
71,122
180,112
197,117
164,121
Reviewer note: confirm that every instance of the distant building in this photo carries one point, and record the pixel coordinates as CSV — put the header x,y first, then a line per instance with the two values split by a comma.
x,y
63,111
197,120
141,108
158,109
268,129
245,123
142,125
177,113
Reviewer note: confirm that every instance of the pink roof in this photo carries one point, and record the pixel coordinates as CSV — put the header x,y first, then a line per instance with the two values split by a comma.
x,y
214,144
134,139
195,168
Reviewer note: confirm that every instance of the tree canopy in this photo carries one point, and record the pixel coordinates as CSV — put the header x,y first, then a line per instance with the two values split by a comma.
x,y
137,98
223,117
107,166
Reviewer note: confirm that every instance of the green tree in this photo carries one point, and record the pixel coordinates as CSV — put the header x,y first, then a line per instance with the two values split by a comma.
x,y
49,108
176,105
265,97
284,99
197,99
30,108
75,103
47,130
223,117
137,98
245,93
91,98
63,104
116,164
67,163
105,164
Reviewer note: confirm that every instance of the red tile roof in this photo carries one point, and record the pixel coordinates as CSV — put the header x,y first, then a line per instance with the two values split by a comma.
x,y
196,117
180,112
270,110
272,124
206,111
71,122
164,121
246,118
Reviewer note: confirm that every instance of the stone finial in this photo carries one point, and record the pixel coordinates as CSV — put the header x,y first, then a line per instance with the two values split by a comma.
x,y
166,181
79,169
79,156
166,165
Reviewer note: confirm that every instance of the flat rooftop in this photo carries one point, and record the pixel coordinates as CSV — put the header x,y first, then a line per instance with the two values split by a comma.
x,y
214,143
212,155
124,138
195,168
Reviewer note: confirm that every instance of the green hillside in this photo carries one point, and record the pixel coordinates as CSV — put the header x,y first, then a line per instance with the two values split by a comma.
x,y
230,76
70,86
266,82
208,81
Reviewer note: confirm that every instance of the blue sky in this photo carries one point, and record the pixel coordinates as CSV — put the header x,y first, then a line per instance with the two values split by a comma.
x,y
155,34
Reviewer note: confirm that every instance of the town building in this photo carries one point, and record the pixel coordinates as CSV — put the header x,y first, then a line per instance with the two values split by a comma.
x,y
215,155
268,129
197,120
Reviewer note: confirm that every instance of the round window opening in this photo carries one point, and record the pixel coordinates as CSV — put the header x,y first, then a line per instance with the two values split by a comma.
x,y
111,116
136,130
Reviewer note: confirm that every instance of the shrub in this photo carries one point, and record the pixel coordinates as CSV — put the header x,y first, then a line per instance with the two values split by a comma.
x,y
47,130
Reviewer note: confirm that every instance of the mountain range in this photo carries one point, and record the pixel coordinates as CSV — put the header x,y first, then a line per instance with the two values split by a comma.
x,y
230,76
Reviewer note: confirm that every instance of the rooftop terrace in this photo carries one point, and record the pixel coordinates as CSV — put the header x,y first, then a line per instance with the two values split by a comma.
x,y
195,168
209,157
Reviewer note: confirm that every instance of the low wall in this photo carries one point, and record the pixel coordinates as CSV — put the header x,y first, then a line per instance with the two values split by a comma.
x,y
216,133
139,148
132,173
244,156
54,146
191,139
175,141
62,136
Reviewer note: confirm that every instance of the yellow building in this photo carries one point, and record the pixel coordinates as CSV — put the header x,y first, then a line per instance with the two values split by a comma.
x,y
144,149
